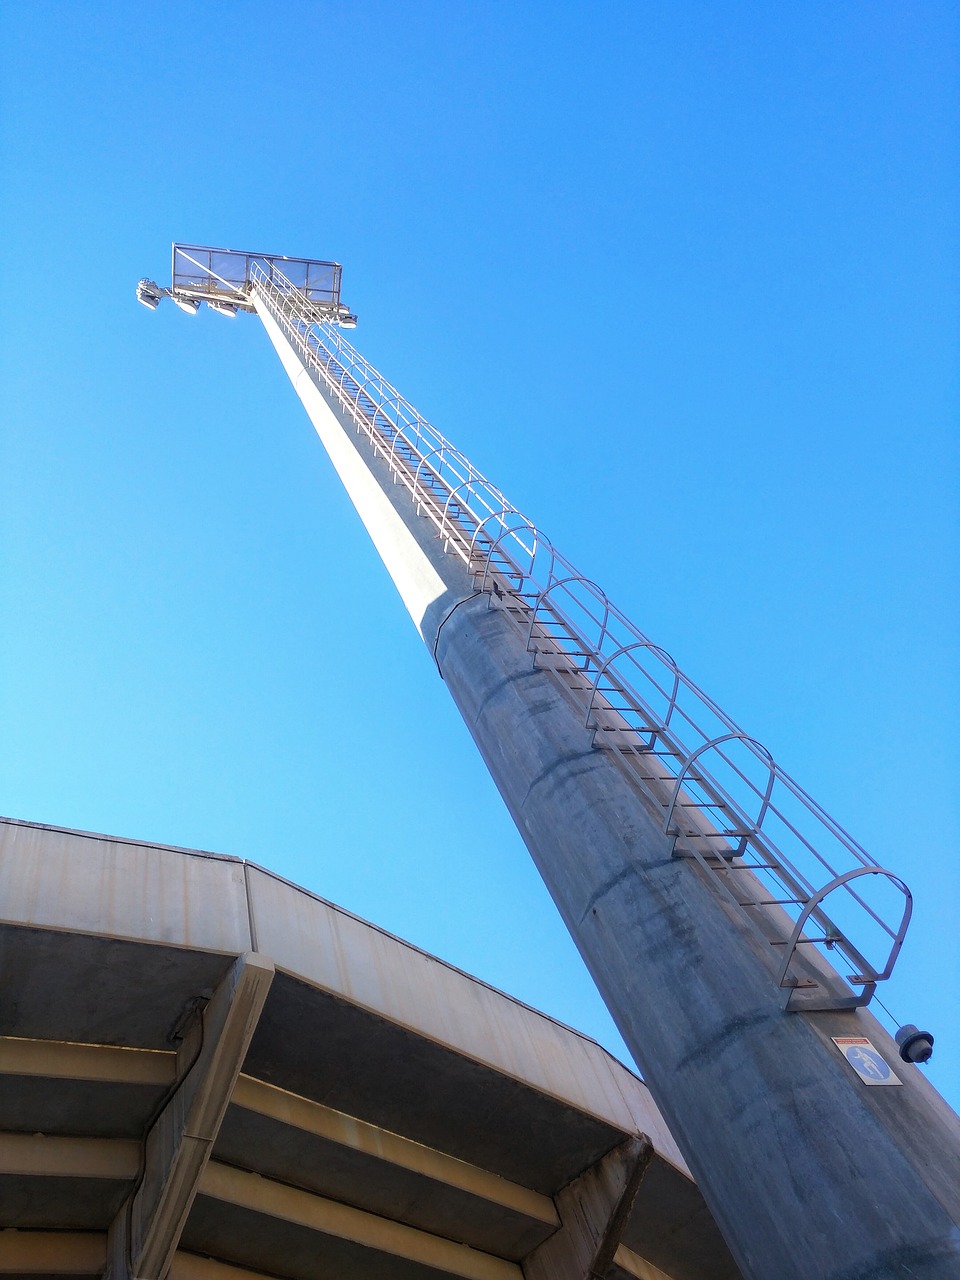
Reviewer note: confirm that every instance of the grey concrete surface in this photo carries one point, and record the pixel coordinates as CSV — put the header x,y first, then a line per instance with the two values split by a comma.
x,y
594,1210
808,1171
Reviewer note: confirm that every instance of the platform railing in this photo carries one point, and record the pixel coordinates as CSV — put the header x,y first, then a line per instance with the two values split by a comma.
x,y
726,803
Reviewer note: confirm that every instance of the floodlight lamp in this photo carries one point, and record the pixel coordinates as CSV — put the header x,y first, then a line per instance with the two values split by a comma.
x,y
189,305
349,321
223,308
149,294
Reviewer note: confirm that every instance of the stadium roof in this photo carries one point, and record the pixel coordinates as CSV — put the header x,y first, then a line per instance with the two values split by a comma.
x,y
208,1069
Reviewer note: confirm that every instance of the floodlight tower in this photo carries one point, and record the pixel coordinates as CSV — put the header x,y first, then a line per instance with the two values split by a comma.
x,y
710,896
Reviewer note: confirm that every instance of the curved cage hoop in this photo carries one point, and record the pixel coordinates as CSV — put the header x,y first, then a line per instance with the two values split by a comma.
x,y
759,751
592,591
453,498
400,434
608,665
423,466
513,568
869,975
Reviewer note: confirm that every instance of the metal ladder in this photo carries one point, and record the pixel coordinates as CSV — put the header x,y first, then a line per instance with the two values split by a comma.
x,y
727,806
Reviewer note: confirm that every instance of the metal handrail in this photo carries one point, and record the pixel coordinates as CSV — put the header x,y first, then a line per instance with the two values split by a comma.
x,y
470,511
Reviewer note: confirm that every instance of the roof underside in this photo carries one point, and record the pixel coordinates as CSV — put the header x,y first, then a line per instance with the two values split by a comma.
x,y
392,1116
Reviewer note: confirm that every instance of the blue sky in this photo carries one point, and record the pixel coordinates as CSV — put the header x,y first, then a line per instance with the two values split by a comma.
x,y
681,279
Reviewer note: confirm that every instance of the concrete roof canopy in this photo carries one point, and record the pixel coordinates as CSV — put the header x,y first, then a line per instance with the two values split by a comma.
x,y
207,1073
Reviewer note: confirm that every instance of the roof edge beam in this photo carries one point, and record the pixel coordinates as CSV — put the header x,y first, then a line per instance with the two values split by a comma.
x,y
593,1209
145,1233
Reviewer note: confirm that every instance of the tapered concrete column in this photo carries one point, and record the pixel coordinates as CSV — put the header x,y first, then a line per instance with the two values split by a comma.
x,y
808,1170
593,1211
146,1231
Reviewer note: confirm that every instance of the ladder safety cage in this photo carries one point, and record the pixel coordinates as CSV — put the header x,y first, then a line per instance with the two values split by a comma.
x,y
727,804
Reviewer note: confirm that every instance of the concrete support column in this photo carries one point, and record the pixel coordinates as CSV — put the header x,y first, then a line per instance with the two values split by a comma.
x,y
593,1211
807,1170
144,1236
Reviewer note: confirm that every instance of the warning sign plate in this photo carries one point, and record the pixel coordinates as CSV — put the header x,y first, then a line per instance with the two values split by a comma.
x,y
866,1060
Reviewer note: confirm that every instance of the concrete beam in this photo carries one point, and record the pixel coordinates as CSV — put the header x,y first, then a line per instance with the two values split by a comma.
x,y
358,1135
593,1209
302,1208
144,1236
190,1266
104,1063
62,1060
636,1267
40,1155
46,1253
44,885
84,1253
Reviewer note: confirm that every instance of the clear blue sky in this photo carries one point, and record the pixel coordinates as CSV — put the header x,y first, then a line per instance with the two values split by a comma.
x,y
681,278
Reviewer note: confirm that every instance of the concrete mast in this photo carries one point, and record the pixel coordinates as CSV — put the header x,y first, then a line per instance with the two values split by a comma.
x,y
813,1165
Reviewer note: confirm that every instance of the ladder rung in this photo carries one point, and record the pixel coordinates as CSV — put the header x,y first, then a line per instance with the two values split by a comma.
x,y
756,866
772,902
782,942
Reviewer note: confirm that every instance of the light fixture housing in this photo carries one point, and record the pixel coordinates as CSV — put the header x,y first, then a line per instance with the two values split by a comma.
x,y
149,294
914,1045
189,305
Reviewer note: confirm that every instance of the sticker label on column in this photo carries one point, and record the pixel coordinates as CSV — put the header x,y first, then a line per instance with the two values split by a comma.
x,y
866,1060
